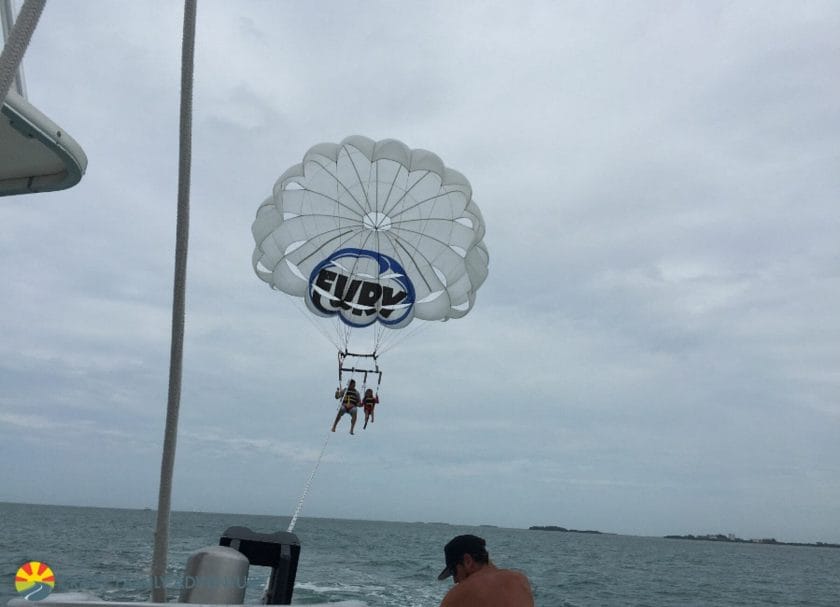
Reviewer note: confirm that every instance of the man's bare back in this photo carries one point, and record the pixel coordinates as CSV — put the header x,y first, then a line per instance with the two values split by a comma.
x,y
491,587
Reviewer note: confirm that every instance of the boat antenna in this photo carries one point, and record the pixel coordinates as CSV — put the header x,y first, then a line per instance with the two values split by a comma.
x,y
170,436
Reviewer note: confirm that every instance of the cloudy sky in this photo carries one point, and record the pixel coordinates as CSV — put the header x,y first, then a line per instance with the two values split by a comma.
x,y
656,349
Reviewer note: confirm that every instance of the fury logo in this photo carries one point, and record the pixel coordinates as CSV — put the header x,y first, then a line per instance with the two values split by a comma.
x,y
362,287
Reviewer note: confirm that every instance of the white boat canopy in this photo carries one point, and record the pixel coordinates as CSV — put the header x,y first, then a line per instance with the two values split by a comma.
x,y
36,155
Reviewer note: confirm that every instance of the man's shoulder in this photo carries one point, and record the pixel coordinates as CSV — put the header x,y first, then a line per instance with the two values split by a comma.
x,y
455,596
511,576
513,572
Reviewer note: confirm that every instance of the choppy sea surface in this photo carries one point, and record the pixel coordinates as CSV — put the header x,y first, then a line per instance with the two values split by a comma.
x,y
384,564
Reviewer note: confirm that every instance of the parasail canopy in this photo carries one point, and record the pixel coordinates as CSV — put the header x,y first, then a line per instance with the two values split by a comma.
x,y
373,232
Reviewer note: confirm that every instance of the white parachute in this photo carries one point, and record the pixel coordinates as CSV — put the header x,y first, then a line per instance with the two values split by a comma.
x,y
372,233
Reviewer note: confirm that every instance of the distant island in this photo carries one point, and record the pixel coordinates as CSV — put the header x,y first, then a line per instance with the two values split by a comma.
x,y
719,537
563,529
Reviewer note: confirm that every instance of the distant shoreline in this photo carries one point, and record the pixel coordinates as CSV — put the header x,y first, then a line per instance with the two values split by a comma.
x,y
711,537
563,529
719,537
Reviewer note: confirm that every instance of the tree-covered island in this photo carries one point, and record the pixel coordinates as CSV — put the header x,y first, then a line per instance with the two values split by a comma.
x,y
563,529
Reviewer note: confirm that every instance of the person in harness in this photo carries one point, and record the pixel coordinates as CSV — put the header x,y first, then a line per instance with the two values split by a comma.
x,y
349,402
369,402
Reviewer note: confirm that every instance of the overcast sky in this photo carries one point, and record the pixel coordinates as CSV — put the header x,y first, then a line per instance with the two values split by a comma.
x,y
656,349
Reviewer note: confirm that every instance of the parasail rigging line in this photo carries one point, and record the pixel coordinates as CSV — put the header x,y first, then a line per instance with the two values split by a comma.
x,y
299,506
301,307
385,345
308,485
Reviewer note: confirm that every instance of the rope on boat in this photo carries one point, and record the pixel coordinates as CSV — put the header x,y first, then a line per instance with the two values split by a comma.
x,y
170,435
308,484
300,505
18,40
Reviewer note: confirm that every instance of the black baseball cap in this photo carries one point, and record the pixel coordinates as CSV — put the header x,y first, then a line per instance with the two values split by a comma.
x,y
457,547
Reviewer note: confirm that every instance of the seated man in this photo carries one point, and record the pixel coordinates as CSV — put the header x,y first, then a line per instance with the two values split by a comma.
x,y
478,582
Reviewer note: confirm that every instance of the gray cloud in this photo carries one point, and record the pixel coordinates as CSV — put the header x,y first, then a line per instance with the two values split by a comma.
x,y
653,352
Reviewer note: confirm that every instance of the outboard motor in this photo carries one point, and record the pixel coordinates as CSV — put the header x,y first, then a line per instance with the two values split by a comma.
x,y
279,550
216,576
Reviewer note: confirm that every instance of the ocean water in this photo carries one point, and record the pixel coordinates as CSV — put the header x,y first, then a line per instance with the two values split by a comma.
x,y
384,564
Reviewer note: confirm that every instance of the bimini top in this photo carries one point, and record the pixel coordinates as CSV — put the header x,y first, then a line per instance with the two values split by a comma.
x,y
36,155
